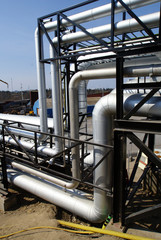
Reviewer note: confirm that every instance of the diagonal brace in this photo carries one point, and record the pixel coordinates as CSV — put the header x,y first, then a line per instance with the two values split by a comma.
x,y
140,104
133,15
152,157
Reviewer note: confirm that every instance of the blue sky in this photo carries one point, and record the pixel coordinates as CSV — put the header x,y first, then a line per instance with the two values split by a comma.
x,y
18,21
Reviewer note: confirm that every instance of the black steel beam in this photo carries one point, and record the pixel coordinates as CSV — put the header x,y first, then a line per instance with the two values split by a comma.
x,y
112,22
140,104
119,198
41,24
148,85
138,126
137,184
119,89
148,212
148,48
132,176
68,9
4,164
160,25
133,15
151,156
99,40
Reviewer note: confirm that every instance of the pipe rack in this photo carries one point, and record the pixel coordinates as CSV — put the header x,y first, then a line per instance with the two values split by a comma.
x,y
129,47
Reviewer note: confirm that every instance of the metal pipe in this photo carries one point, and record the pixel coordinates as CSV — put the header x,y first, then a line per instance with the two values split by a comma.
x,y
27,122
57,100
41,85
72,200
31,146
98,12
37,173
102,126
50,26
125,26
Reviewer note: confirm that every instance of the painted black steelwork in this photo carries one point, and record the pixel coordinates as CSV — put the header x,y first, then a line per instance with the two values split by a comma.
x,y
119,89
154,210
4,164
133,15
140,104
123,127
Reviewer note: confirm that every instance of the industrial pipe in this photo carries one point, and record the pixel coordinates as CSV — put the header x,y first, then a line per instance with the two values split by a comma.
x,y
57,100
41,85
126,26
79,18
74,200
26,122
98,12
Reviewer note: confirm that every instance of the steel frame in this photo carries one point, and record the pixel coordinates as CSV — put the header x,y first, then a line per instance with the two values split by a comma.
x,y
123,127
31,159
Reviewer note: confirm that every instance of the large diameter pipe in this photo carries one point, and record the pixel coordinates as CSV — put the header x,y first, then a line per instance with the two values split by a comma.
x,y
126,26
98,12
30,146
102,133
41,85
57,100
37,173
72,200
27,123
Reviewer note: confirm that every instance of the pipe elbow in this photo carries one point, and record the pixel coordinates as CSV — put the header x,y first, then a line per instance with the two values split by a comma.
x,y
36,33
74,82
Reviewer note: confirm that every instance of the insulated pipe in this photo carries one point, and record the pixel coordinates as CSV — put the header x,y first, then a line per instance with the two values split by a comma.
x,y
41,86
98,12
27,122
79,18
126,26
30,146
102,133
74,200
88,15
57,100
71,200
37,173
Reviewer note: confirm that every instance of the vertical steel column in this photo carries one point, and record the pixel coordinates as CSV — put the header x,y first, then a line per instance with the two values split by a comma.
x,y
58,34
68,80
119,90
160,26
119,177
112,22
119,150
3,162
35,160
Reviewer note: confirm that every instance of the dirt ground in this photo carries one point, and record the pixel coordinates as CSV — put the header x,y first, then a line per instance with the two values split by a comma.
x,y
30,212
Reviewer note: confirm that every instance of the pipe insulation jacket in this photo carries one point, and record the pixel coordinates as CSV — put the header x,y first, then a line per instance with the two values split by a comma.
x,y
30,146
37,173
41,85
125,26
73,200
27,122
98,12
24,120
89,15
55,67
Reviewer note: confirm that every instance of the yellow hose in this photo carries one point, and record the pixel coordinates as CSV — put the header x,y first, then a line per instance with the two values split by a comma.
x,y
42,227
99,230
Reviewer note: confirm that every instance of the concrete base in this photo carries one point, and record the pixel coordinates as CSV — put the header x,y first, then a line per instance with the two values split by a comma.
x,y
7,202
